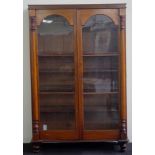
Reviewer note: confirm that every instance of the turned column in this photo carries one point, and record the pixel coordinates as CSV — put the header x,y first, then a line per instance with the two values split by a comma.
x,y
123,126
34,75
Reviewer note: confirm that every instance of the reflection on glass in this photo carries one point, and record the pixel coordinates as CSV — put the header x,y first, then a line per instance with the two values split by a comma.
x,y
100,74
55,36
100,35
101,111
57,111
100,77
56,74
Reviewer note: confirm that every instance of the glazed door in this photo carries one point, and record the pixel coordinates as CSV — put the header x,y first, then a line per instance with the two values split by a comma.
x,y
98,31
57,74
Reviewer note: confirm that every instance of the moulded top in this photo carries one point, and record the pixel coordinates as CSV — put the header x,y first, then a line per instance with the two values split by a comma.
x,y
79,6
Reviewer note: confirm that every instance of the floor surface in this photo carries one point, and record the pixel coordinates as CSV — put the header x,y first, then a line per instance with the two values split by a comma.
x,y
78,149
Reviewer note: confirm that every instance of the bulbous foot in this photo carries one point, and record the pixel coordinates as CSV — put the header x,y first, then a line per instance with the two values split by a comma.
x,y
123,147
36,147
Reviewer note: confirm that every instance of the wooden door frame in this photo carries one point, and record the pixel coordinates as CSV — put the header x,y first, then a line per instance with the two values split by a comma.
x,y
36,17
118,17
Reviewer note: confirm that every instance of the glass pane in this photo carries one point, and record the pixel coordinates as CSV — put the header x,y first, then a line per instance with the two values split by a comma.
x,y
100,35
56,74
101,111
101,74
57,111
55,36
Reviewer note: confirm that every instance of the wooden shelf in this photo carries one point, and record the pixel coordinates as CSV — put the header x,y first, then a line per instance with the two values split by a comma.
x,y
72,93
98,71
54,55
61,109
99,93
58,103
46,93
93,109
100,54
59,72
57,109
86,71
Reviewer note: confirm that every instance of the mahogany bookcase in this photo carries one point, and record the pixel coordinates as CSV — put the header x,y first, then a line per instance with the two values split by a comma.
x,y
78,73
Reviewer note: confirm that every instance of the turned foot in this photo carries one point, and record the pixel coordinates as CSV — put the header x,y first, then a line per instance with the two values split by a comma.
x,y
36,147
123,147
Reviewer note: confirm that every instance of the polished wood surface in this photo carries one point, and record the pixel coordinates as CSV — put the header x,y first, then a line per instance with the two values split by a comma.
x,y
34,75
79,6
123,74
100,135
80,76
59,135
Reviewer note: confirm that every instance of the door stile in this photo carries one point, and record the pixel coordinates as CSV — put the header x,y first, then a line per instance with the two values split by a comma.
x,y
80,75
76,75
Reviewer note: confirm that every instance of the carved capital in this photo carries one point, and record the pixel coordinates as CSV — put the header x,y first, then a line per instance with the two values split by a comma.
x,y
33,23
123,129
35,127
122,22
